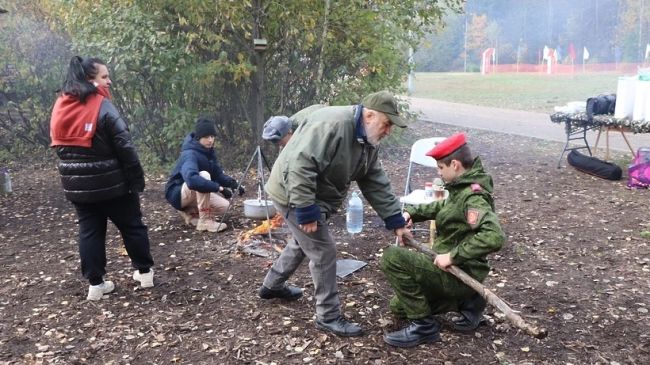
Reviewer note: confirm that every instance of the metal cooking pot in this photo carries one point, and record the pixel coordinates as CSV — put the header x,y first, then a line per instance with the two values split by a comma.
x,y
254,208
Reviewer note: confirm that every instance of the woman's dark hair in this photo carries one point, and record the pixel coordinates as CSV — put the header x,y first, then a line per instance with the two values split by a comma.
x,y
79,71
462,154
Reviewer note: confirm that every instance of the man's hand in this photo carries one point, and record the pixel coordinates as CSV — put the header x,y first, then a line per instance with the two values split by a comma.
x,y
309,227
407,218
443,261
401,232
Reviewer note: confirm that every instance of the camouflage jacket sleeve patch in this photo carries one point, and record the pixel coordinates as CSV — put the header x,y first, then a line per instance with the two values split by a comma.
x,y
474,217
476,187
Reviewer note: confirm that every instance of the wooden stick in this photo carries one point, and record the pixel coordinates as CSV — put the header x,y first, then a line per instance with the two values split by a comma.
x,y
489,296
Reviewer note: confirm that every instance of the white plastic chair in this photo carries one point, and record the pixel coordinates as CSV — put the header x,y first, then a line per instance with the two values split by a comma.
x,y
419,157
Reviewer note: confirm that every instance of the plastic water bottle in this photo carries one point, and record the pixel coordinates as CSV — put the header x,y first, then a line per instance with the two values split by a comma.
x,y
6,181
354,214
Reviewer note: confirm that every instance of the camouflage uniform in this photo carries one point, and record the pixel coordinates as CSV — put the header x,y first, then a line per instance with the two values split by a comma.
x,y
467,228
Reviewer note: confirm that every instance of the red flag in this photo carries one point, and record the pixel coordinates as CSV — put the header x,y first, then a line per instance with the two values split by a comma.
x,y
572,52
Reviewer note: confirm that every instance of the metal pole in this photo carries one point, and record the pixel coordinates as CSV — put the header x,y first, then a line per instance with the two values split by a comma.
x,y
260,176
243,178
641,56
465,47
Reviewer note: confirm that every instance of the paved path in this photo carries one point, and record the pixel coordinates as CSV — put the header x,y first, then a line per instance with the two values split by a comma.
x,y
516,122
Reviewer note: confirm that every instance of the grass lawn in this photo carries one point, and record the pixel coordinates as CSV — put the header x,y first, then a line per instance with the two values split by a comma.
x,y
522,91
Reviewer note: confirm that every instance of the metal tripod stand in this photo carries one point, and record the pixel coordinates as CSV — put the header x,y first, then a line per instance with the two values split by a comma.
x,y
261,194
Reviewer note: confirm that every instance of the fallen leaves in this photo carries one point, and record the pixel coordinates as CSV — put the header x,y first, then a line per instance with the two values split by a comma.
x,y
559,268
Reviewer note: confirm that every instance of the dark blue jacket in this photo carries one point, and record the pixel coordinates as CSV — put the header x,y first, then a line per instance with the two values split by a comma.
x,y
194,159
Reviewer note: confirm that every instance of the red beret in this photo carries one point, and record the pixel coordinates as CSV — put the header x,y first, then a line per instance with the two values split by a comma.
x,y
448,146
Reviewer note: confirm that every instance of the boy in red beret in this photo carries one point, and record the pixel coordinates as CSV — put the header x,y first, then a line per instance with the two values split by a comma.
x,y
467,231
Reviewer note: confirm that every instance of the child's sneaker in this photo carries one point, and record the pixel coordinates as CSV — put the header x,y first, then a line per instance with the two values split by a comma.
x,y
189,218
207,224
146,279
95,292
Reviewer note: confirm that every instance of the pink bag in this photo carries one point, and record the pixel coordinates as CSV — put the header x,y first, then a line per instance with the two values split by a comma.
x,y
639,170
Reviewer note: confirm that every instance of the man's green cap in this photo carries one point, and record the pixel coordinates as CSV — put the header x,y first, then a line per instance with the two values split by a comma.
x,y
383,101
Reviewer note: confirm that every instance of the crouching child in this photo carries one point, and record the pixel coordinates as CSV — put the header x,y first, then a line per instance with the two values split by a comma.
x,y
467,231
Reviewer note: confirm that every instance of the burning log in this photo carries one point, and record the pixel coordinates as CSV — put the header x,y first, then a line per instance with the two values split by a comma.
x,y
254,243
263,229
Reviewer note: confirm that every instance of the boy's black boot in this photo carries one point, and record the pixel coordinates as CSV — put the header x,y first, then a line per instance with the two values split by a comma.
x,y
471,314
424,330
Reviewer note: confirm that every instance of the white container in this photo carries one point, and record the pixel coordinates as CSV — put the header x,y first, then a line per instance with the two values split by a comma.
x,y
625,97
646,107
641,101
254,208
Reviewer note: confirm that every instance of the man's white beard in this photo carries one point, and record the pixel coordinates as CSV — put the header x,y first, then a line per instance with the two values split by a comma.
x,y
373,140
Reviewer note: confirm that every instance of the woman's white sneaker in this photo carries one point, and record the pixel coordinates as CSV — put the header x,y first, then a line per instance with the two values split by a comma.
x,y
96,292
146,279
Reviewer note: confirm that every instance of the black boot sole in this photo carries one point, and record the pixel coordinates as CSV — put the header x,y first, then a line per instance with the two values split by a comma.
x,y
462,326
267,297
271,294
423,340
340,334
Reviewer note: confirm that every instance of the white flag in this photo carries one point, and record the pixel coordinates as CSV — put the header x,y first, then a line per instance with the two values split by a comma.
x,y
647,51
585,53
545,53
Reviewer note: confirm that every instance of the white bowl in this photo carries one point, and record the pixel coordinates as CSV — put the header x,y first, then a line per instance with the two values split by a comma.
x,y
254,208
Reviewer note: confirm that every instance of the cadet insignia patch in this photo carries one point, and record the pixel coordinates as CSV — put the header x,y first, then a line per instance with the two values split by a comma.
x,y
473,217
476,187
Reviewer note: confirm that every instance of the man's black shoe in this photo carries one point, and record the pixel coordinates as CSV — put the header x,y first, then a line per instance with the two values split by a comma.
x,y
340,327
425,330
471,314
288,292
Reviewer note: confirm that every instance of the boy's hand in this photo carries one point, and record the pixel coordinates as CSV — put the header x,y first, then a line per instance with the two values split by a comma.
x,y
443,261
241,190
400,232
226,193
407,218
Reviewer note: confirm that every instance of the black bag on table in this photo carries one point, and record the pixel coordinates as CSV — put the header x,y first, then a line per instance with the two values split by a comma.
x,y
593,166
601,104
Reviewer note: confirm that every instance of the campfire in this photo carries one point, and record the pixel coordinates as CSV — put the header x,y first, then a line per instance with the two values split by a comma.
x,y
254,241
263,229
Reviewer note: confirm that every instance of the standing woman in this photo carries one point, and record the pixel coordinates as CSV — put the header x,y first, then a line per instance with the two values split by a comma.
x,y
100,172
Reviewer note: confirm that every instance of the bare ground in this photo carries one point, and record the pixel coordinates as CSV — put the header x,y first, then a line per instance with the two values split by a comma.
x,y
575,263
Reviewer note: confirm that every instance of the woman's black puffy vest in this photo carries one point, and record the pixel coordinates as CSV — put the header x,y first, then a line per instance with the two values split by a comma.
x,y
108,169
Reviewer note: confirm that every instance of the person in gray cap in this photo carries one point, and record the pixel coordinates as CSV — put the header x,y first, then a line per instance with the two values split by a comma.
x,y
333,146
279,129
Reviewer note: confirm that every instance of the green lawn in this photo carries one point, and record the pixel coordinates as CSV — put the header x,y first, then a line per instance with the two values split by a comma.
x,y
523,91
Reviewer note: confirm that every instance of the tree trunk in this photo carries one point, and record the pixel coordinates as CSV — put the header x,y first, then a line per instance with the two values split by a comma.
x,y
321,58
257,93
256,100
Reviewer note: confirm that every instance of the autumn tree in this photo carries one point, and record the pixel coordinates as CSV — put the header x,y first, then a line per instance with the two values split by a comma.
x,y
633,32
30,73
477,37
174,60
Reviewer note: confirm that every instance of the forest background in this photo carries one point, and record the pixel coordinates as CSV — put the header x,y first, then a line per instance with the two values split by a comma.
x,y
612,31
172,61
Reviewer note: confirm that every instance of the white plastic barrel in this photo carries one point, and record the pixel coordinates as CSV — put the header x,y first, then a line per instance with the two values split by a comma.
x,y
625,95
641,100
